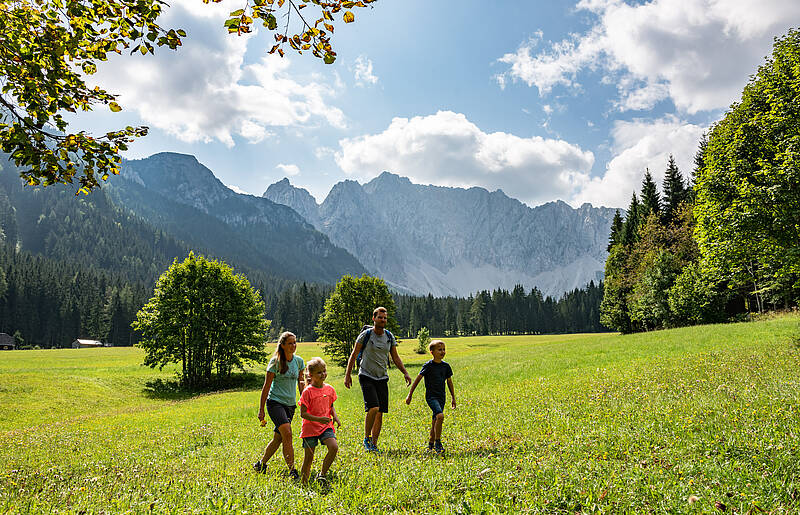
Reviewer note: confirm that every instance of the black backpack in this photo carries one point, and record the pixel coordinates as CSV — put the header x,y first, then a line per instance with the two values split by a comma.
x,y
368,329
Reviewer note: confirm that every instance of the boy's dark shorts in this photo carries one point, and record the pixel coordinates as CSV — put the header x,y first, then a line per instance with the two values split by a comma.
x,y
280,413
376,393
436,405
310,442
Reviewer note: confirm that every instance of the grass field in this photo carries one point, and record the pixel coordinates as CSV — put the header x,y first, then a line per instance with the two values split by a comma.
x,y
575,423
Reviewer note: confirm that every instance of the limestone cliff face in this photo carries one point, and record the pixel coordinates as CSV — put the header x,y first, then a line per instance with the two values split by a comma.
x,y
266,235
455,241
299,199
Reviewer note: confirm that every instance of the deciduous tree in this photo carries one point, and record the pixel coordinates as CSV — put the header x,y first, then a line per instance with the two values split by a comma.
x,y
48,48
747,201
348,309
204,317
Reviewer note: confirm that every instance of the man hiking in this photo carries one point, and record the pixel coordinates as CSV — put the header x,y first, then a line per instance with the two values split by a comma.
x,y
374,346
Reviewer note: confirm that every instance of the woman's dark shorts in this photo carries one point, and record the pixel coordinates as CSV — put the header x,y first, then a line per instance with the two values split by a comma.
x,y
436,405
279,413
376,393
309,442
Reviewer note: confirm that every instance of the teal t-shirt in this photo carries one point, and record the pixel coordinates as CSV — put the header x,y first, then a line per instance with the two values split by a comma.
x,y
284,385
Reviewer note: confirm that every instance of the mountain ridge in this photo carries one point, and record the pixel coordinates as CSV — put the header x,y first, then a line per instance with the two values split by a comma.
x,y
456,241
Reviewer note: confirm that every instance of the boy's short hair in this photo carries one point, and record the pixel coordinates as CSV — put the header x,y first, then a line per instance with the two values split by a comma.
x,y
433,344
315,364
379,309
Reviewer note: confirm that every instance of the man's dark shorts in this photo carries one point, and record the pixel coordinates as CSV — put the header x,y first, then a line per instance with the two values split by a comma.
x,y
376,393
436,405
310,442
279,413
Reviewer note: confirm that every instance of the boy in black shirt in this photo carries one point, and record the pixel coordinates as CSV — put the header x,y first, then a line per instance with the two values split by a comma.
x,y
436,372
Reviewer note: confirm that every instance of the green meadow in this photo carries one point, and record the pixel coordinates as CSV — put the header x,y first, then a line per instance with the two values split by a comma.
x,y
695,420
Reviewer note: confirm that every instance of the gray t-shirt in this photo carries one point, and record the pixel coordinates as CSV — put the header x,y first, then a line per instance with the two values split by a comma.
x,y
375,355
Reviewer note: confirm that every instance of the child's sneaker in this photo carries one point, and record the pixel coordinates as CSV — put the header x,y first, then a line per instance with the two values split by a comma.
x,y
430,447
368,444
322,481
437,446
259,467
294,475
374,447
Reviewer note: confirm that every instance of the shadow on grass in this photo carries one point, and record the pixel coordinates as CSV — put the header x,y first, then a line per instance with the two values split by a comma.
x,y
171,390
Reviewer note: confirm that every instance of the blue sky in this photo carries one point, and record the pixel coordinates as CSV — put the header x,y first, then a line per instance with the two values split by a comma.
x,y
545,100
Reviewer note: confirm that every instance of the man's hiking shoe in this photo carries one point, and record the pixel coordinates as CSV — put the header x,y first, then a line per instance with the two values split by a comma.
x,y
438,447
294,475
367,444
259,467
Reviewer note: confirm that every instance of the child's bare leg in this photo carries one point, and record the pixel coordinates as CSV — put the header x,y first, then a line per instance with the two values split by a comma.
x,y
333,448
437,426
288,448
433,430
369,421
376,427
272,446
308,458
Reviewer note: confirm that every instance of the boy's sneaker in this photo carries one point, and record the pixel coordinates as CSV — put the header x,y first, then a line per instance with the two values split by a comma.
x,y
294,475
322,481
374,447
368,444
430,447
259,467
437,446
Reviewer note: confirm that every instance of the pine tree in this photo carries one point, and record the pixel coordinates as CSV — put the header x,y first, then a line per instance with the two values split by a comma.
x,y
699,162
616,231
651,200
674,190
630,229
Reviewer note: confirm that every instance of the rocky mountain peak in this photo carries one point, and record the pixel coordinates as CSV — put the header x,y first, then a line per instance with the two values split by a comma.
x,y
299,199
455,241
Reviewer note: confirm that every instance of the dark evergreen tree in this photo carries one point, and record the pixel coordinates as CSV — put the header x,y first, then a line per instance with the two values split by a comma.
x,y
630,229
699,161
616,231
651,200
674,191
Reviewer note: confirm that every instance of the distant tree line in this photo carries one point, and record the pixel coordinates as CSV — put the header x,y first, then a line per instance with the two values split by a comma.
x,y
502,312
50,303
298,308
727,241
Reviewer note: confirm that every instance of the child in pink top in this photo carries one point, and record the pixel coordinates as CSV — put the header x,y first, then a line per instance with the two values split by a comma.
x,y
318,414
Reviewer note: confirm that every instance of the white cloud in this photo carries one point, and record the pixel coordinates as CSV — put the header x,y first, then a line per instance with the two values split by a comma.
x,y
323,152
448,150
363,71
290,170
698,53
205,91
637,145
